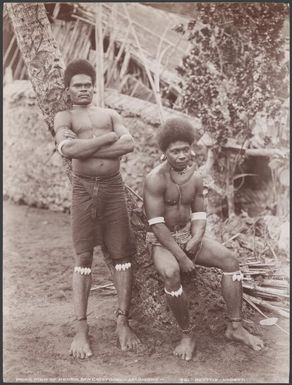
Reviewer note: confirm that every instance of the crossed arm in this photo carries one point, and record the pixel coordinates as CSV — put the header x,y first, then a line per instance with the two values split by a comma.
x,y
110,145
124,143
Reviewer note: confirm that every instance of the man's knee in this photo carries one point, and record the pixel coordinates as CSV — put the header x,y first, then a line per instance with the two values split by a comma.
x,y
84,259
171,274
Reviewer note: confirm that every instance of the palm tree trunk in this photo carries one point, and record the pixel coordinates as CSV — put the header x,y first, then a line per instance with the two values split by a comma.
x,y
41,56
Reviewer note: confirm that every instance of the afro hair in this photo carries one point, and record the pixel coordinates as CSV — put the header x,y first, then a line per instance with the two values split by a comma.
x,y
174,130
78,67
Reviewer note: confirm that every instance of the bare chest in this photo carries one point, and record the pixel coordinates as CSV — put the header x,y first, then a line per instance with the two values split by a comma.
x,y
179,194
90,123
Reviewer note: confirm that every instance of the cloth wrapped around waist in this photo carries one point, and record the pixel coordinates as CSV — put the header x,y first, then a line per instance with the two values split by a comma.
x,y
181,237
99,215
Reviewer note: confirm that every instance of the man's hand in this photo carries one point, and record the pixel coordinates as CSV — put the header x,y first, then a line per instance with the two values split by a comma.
x,y
113,137
69,134
186,265
192,246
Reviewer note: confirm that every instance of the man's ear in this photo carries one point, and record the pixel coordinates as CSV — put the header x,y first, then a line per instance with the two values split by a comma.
x,y
67,93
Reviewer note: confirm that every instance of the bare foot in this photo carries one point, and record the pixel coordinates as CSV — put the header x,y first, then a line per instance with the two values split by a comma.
x,y
236,332
80,347
127,338
185,348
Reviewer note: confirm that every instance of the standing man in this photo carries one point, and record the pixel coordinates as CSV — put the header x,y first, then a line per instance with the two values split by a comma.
x,y
174,204
95,139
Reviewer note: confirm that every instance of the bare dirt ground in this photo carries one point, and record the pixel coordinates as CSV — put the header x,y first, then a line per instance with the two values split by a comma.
x,y
38,316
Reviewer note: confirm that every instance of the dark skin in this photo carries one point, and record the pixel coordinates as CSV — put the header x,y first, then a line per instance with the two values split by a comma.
x,y
97,141
99,151
161,198
174,195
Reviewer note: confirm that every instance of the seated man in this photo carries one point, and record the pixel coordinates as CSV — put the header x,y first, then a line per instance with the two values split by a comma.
x,y
173,199
95,139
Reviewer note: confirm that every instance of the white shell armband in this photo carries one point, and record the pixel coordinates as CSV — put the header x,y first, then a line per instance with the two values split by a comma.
x,y
198,215
61,144
154,221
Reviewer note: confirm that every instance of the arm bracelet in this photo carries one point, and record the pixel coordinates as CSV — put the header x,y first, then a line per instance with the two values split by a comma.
x,y
154,221
61,144
199,215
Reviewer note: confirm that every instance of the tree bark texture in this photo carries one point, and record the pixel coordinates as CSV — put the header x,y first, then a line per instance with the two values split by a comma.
x,y
45,69
41,56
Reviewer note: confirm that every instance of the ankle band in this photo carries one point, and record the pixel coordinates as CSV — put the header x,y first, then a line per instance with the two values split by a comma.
x,y
82,270
123,266
176,293
236,275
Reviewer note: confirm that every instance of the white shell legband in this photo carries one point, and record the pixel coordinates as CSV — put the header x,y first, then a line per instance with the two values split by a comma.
x,y
176,293
236,275
123,266
198,215
154,221
61,144
82,270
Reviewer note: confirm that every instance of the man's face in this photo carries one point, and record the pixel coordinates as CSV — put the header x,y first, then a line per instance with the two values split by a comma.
x,y
178,155
81,89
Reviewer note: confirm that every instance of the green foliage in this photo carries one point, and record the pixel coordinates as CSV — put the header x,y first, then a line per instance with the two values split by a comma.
x,y
236,67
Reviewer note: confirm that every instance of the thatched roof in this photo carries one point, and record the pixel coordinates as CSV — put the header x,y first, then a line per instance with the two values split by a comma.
x,y
150,25
137,38
153,27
